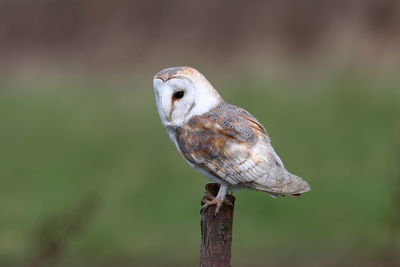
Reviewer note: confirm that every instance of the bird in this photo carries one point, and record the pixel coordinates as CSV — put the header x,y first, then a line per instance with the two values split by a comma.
x,y
222,141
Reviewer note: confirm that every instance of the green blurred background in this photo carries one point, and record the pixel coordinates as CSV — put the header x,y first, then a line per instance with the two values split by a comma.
x,y
88,176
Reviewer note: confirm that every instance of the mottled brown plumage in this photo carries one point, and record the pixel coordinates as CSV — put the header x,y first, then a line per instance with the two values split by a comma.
x,y
226,143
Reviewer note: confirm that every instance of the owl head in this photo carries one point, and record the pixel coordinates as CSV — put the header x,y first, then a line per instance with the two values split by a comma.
x,y
183,92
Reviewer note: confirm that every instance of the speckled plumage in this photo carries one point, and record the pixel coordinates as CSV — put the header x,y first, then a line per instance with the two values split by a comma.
x,y
222,141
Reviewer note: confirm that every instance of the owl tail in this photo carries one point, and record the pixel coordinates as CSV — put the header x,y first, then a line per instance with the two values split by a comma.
x,y
280,182
296,186
287,184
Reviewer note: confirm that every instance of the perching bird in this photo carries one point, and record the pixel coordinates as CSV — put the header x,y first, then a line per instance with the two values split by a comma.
x,y
224,142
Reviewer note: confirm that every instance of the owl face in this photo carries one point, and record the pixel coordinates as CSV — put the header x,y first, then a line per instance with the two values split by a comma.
x,y
181,93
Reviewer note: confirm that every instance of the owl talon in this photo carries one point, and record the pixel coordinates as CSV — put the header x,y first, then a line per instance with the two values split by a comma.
x,y
214,201
226,201
209,196
217,202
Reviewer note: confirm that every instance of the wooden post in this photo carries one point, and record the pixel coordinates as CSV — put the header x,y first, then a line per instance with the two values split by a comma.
x,y
216,232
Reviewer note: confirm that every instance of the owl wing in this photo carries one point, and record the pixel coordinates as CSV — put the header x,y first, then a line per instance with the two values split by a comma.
x,y
236,149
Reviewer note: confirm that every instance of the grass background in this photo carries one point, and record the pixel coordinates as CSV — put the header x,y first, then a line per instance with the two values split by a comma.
x,y
90,178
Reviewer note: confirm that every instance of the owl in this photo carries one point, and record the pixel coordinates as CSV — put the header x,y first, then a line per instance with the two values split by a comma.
x,y
222,141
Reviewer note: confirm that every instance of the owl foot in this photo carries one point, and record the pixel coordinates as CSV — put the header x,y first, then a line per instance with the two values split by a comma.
x,y
211,200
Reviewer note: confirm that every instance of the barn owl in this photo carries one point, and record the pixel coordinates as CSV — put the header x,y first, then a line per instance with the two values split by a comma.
x,y
222,141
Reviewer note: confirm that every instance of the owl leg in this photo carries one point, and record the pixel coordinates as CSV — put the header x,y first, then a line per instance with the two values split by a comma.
x,y
218,200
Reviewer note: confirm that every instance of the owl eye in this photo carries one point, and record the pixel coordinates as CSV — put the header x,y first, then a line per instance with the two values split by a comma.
x,y
178,95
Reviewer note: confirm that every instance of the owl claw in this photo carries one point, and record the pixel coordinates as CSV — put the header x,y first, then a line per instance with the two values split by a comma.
x,y
211,200
215,201
226,201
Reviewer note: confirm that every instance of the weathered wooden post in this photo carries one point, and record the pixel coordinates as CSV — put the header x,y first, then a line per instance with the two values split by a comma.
x,y
216,232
